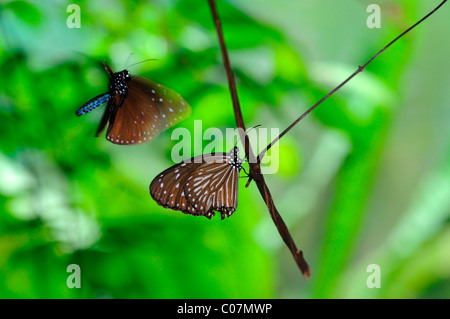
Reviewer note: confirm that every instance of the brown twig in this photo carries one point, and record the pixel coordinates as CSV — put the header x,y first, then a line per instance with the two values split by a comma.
x,y
360,69
255,168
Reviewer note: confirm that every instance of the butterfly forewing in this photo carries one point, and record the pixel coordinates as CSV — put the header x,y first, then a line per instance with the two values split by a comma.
x,y
172,107
167,188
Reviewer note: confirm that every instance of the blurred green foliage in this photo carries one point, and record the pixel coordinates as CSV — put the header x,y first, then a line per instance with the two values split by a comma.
x,y
363,180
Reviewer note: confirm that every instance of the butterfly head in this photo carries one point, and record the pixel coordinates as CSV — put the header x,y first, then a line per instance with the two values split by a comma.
x,y
236,162
119,82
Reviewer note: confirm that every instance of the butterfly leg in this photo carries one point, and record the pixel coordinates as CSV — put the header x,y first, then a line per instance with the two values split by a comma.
x,y
245,173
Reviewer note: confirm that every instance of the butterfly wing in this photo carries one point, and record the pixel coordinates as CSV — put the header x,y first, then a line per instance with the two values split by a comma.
x,y
172,107
137,120
167,188
106,116
213,186
145,113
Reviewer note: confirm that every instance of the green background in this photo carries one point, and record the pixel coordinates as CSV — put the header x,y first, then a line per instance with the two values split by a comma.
x,y
364,179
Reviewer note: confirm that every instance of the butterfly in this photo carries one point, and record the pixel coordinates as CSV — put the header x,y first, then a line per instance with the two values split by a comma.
x,y
201,185
138,109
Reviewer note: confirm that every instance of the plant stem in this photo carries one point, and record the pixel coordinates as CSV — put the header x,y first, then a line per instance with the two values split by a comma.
x,y
360,69
255,168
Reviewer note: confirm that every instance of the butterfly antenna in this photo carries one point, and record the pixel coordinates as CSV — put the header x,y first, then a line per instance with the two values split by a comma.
x,y
128,59
140,62
246,132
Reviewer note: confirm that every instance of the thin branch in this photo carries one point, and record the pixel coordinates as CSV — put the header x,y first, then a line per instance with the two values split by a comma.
x,y
231,82
255,168
360,69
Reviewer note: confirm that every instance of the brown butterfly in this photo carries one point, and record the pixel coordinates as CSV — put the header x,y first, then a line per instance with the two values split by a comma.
x,y
138,109
201,185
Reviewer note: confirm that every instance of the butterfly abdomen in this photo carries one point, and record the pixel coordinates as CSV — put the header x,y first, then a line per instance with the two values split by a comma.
x,y
93,103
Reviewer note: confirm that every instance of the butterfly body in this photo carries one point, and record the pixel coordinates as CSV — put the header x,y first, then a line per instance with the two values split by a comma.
x,y
138,109
201,185
93,103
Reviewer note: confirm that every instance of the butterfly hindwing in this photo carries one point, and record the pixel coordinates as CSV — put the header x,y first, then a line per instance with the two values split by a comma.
x,y
213,186
106,116
137,120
